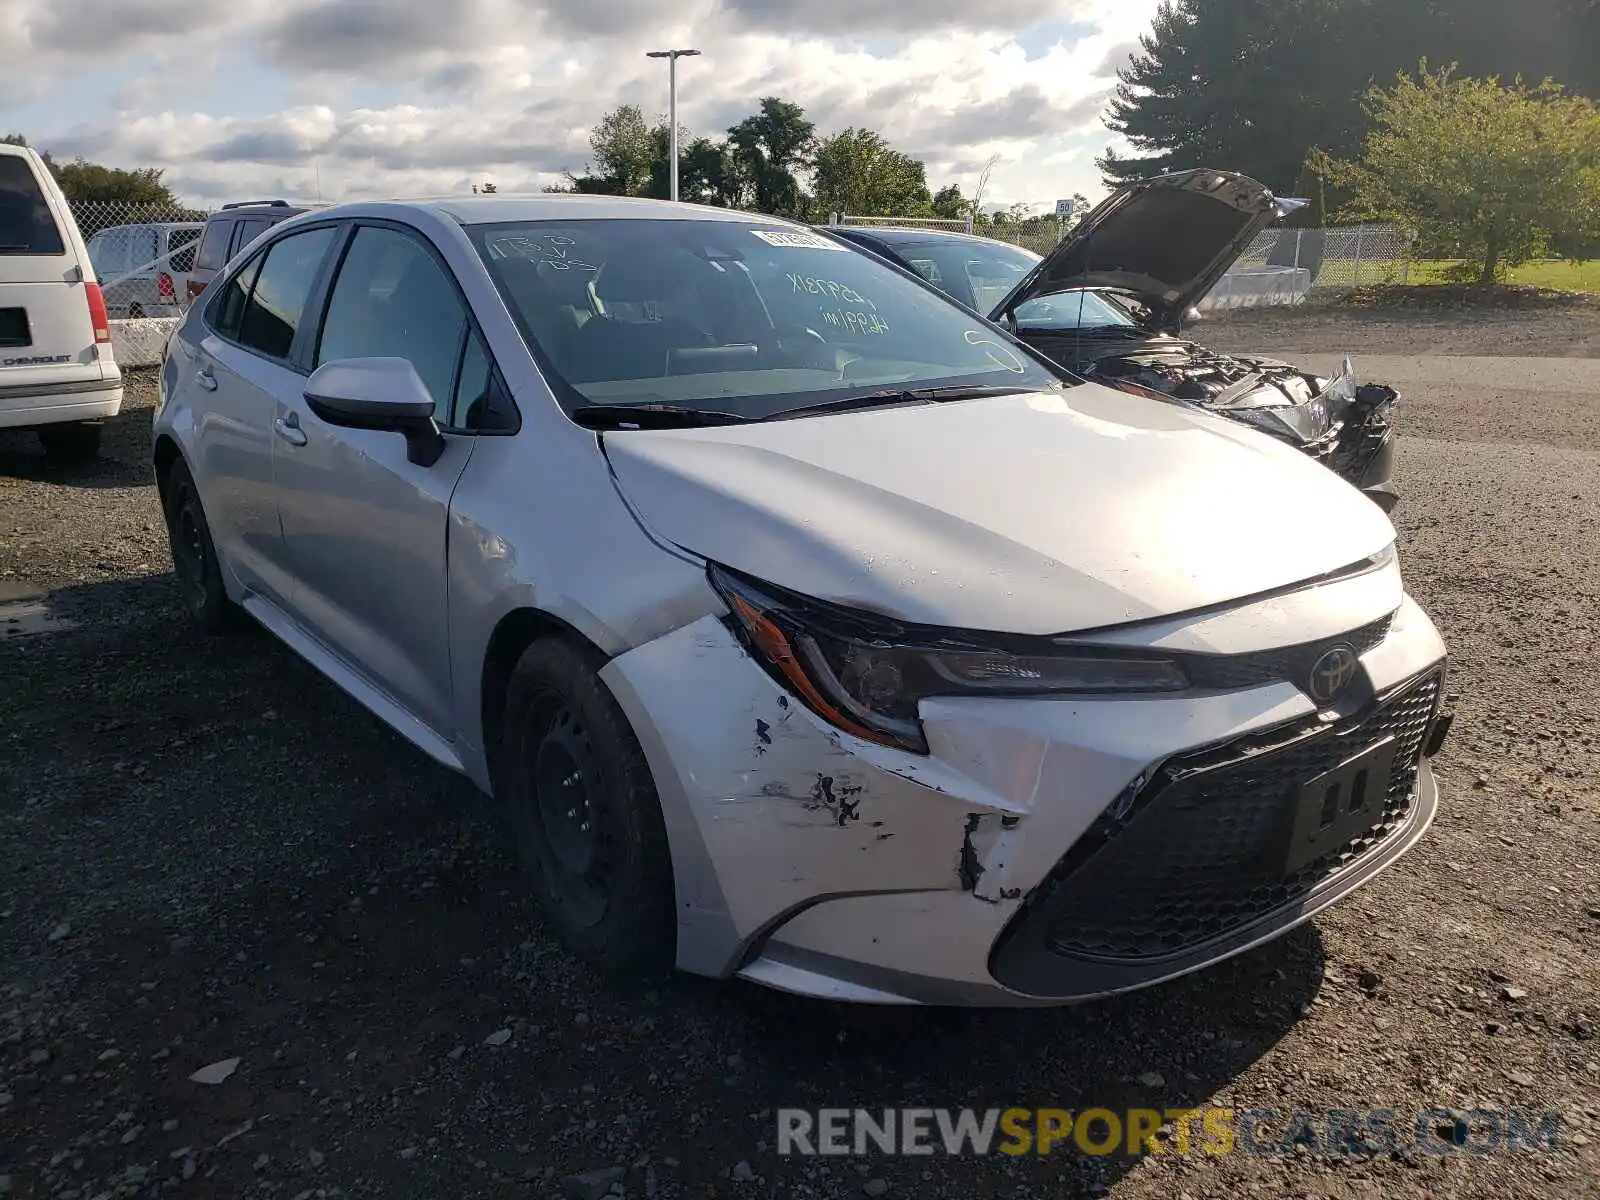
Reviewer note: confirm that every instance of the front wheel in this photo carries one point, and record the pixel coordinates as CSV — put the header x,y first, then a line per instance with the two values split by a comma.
x,y
194,555
584,811
71,442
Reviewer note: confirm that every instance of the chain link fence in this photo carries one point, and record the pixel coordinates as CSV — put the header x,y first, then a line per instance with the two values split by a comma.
x,y
142,255
1338,259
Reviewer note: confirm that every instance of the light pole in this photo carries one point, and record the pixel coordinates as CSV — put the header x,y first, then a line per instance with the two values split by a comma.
x,y
672,57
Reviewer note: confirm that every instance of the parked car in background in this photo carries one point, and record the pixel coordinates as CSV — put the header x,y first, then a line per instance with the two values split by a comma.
x,y
57,372
229,230
1110,300
144,269
811,629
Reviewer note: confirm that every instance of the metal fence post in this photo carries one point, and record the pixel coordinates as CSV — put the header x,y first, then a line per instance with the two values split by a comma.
x,y
1357,283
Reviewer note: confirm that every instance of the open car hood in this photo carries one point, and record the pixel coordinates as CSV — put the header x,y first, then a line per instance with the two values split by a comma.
x,y
1166,241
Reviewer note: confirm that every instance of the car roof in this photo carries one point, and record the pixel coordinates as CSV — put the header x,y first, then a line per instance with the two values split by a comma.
x,y
266,208
904,235
557,206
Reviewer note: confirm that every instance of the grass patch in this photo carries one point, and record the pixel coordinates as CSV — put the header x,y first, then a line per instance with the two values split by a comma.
x,y
1549,274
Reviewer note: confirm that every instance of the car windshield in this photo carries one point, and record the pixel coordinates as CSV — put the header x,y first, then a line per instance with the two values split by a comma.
x,y
733,318
1073,310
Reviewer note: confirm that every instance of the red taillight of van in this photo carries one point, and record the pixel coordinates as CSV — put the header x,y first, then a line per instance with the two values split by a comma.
x,y
195,288
164,286
97,313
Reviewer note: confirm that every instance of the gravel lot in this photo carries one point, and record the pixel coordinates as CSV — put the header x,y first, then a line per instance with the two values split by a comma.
x,y
210,854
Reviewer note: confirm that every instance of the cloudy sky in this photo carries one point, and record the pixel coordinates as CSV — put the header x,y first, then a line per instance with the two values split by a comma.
x,y
367,98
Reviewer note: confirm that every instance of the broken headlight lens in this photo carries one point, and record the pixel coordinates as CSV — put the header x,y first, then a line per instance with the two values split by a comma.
x,y
867,674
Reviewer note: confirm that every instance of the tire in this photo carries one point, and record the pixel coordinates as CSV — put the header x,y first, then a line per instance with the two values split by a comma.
x,y
71,441
135,311
194,555
584,812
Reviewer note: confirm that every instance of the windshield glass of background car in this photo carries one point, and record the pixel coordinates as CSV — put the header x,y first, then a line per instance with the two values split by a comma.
x,y
733,317
979,274
1071,310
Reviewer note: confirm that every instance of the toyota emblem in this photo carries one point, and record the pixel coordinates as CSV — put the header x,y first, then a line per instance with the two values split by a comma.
x,y
1332,673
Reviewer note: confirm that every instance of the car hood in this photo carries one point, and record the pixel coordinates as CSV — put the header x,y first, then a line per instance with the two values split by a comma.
x,y
1165,241
1038,513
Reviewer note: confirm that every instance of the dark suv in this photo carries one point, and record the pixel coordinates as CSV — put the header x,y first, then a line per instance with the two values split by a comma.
x,y
230,229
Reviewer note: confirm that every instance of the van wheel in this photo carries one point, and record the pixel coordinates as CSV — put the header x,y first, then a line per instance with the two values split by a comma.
x,y
135,311
194,555
585,814
71,442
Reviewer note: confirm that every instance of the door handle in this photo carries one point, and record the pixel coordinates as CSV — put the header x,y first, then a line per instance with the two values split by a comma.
x,y
206,379
289,430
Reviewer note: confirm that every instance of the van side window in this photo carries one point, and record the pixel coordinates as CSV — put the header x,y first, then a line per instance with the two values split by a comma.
x,y
26,223
180,248
282,287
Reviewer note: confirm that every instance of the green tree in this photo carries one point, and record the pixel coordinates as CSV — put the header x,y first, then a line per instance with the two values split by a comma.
x,y
949,203
623,150
1500,171
1260,85
857,171
769,148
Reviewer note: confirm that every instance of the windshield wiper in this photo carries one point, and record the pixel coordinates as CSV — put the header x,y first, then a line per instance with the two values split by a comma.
x,y
888,397
652,416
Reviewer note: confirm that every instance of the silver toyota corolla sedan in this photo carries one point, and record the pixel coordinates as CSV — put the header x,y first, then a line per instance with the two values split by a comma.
x,y
812,630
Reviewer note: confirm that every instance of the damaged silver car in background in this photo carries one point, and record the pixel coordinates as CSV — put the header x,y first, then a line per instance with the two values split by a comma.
x,y
1108,303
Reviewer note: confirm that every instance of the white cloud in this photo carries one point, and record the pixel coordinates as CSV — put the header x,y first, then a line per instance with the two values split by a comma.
x,y
507,89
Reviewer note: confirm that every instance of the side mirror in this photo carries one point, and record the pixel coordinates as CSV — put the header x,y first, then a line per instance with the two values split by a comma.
x,y
378,393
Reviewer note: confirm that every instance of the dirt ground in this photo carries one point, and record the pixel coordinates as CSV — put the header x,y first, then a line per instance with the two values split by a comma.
x,y
1566,327
210,854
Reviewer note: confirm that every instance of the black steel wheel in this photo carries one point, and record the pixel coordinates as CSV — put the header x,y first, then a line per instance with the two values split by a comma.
x,y
584,811
194,556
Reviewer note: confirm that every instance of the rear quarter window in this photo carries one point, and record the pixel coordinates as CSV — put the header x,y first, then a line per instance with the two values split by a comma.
x,y
213,252
27,225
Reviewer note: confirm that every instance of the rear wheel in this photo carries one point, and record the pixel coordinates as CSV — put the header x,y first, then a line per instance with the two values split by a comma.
x,y
71,442
584,810
194,556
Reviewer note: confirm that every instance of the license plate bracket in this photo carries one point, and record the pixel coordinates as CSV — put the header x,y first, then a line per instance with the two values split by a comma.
x,y
1340,805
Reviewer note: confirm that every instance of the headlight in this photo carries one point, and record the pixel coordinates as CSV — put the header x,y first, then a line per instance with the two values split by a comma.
x,y
867,674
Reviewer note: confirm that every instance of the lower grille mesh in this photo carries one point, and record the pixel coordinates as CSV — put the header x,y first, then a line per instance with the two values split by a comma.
x,y
1202,852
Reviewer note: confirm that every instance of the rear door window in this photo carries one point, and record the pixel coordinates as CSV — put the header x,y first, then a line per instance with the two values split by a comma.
x,y
27,225
282,287
245,233
213,252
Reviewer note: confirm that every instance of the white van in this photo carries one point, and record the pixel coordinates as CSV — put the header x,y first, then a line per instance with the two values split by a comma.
x,y
144,269
57,373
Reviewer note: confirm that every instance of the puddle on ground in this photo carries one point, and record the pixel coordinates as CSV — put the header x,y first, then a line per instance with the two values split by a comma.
x,y
26,613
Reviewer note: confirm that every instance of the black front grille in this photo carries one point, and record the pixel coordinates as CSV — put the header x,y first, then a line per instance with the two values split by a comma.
x,y
1201,850
1290,663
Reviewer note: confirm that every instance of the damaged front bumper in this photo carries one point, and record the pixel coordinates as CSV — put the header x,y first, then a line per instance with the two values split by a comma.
x,y
815,862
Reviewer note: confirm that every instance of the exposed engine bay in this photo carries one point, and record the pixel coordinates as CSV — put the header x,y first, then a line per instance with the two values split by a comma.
x,y
1343,424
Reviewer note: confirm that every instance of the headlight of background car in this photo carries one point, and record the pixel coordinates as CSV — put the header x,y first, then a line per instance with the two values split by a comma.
x,y
866,674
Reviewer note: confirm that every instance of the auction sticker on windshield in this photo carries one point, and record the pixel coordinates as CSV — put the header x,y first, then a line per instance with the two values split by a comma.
x,y
795,239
